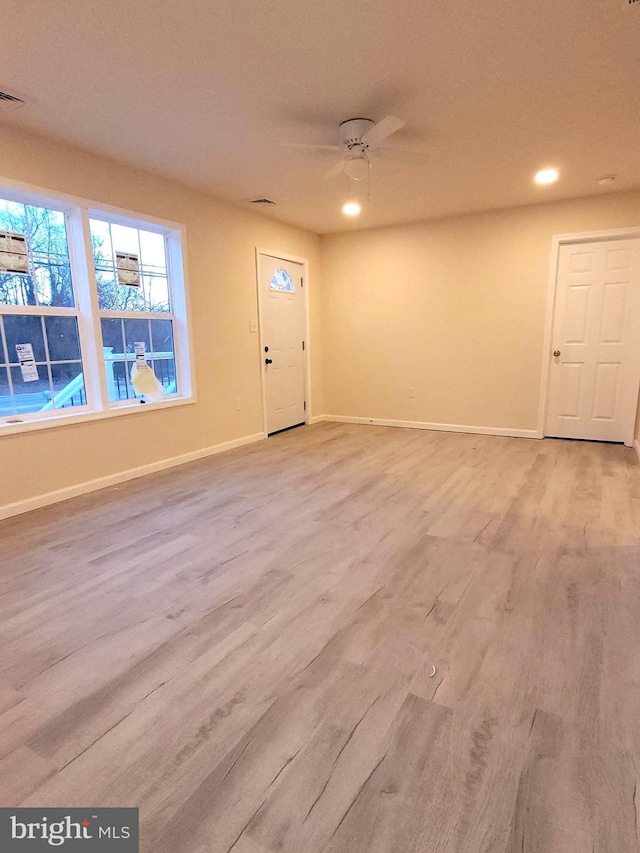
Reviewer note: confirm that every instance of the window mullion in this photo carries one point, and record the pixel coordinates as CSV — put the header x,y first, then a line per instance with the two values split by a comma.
x,y
39,310
137,315
89,318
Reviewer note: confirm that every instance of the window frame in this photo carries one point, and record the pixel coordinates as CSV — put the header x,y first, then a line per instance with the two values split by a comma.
x,y
78,211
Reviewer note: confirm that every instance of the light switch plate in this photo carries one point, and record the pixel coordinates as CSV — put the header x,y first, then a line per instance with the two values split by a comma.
x,y
253,326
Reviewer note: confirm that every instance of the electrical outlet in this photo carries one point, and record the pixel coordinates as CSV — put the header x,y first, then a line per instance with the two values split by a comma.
x,y
253,326
237,404
412,393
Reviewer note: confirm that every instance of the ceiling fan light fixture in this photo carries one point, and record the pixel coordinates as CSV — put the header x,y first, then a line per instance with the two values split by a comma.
x,y
351,208
357,168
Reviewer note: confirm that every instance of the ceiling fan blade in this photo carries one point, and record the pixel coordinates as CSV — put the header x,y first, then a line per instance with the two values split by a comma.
x,y
312,146
380,131
398,155
336,170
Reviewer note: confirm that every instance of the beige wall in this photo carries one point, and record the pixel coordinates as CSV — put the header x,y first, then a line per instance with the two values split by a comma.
x,y
221,242
454,308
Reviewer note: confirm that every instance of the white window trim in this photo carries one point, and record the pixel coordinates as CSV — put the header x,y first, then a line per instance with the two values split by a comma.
x,y
78,211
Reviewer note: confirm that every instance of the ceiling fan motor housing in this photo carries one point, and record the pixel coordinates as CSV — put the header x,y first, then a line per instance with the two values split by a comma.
x,y
352,130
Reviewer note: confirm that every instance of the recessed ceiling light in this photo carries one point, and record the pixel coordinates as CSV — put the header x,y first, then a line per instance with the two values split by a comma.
x,y
547,176
607,180
351,208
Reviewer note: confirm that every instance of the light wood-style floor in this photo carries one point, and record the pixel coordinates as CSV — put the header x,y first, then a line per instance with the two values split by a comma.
x,y
242,646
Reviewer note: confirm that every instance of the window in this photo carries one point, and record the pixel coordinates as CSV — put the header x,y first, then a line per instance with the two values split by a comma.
x,y
281,280
43,275
55,380
119,337
132,279
88,299
37,313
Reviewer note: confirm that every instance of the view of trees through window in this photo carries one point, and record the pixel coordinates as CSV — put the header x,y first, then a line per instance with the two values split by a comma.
x,y
148,247
48,281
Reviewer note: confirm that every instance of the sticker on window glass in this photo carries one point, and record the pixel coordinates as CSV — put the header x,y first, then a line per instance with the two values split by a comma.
x,y
281,280
13,253
128,267
140,349
28,367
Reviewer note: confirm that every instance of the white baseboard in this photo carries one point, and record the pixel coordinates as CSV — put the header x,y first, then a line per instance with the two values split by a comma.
x,y
636,445
19,507
74,491
477,430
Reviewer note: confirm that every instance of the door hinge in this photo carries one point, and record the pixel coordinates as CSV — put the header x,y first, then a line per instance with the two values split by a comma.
x,y
302,344
301,282
305,405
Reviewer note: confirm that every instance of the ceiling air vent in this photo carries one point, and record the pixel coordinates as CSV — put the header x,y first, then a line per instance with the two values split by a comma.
x,y
267,201
10,102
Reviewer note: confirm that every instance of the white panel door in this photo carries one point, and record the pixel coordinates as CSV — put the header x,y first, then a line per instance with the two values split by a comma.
x,y
283,326
595,363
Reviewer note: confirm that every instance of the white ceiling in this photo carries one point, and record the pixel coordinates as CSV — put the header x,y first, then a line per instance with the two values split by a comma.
x,y
206,90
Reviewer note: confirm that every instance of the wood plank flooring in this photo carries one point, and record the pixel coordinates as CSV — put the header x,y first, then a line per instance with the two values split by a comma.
x,y
243,647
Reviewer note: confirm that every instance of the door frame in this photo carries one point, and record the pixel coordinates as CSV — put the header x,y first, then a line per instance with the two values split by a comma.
x,y
556,242
285,256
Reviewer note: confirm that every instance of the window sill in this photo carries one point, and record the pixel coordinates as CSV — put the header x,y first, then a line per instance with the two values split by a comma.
x,y
55,421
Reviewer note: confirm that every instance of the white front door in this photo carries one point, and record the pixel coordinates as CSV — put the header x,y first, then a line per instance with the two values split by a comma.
x,y
595,360
282,310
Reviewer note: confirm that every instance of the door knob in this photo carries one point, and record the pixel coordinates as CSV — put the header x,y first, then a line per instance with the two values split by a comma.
x,y
268,361
556,352
266,349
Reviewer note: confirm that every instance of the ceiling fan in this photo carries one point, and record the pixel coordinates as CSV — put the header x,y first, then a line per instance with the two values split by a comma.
x,y
359,137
